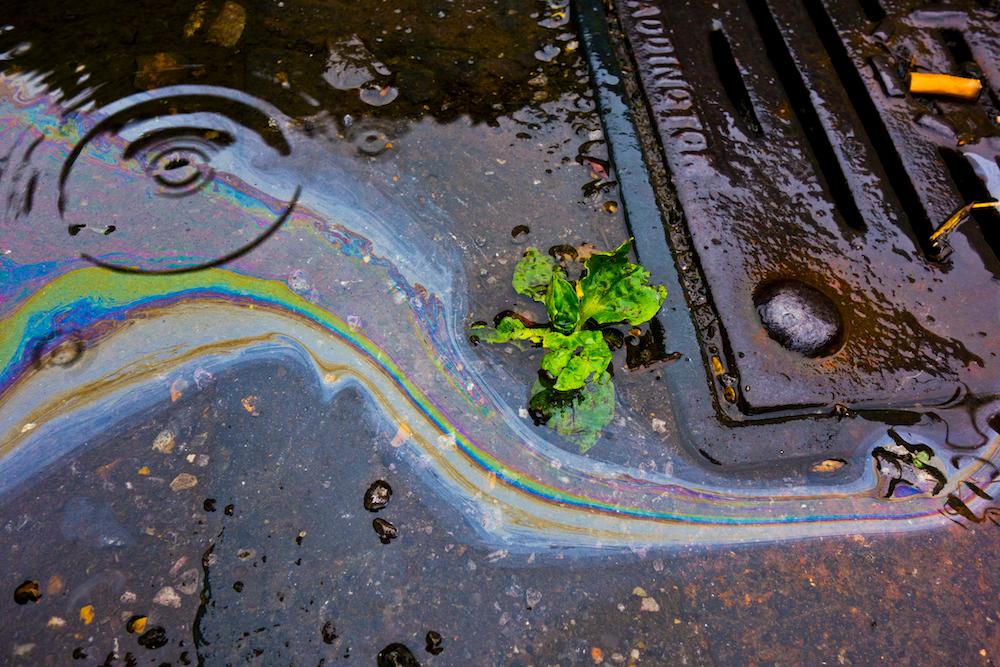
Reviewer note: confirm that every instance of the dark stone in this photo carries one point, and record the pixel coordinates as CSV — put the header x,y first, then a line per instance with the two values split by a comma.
x,y
329,633
396,655
153,638
27,592
434,642
377,496
386,531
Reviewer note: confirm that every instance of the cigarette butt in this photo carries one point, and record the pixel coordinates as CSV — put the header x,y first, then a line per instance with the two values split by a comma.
x,y
926,83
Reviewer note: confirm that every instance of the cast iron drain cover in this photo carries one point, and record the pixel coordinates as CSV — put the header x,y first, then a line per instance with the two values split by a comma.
x,y
803,167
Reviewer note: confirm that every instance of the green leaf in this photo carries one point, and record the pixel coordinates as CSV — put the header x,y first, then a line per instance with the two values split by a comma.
x,y
615,290
510,329
562,303
533,274
579,415
574,357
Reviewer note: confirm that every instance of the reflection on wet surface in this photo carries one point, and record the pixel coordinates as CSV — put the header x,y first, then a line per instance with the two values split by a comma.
x,y
242,419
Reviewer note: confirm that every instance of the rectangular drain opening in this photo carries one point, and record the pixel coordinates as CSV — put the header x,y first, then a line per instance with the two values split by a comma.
x,y
802,104
878,134
732,81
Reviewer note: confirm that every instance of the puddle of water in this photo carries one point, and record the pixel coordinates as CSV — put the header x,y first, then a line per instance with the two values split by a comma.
x,y
241,252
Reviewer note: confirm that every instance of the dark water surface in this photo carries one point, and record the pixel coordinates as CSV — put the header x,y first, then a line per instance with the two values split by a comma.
x,y
241,247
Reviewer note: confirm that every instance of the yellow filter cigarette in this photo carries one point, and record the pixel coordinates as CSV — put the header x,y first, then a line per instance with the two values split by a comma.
x,y
926,83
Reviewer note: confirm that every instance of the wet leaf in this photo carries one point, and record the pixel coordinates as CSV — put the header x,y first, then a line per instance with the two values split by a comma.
x,y
579,415
615,290
575,357
533,274
562,303
511,329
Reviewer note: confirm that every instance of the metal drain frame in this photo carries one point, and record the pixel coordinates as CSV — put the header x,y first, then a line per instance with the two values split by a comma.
x,y
662,235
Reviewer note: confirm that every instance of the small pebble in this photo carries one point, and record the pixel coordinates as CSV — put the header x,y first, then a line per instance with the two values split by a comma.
x,y
329,633
386,531
153,638
27,592
164,442
136,624
167,597
377,496
434,642
183,482
396,655
532,597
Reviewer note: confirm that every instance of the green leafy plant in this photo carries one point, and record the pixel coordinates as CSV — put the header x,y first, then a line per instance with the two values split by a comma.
x,y
575,394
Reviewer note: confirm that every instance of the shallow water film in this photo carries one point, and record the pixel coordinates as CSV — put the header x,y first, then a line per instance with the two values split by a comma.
x,y
248,413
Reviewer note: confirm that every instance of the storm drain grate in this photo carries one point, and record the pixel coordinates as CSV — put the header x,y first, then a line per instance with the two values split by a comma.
x,y
811,182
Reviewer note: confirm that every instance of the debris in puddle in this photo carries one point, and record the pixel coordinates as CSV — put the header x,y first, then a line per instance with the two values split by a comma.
x,y
329,633
649,604
164,442
947,85
183,481
434,642
227,28
21,650
87,614
154,638
386,531
532,597
136,624
66,352
396,655
29,591
828,465
177,388
167,597
939,238
548,53
158,70
189,581
250,405
56,622
377,496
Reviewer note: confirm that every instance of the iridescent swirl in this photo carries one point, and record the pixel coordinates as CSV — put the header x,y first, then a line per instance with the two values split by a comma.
x,y
350,280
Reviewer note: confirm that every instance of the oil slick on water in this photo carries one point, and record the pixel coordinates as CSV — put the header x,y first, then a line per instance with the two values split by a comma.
x,y
111,293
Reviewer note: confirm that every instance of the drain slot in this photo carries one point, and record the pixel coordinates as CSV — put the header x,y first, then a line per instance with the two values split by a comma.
x,y
971,188
961,54
873,10
875,129
798,94
732,81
